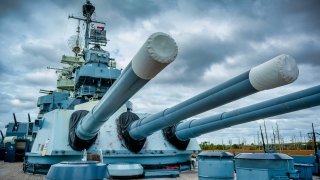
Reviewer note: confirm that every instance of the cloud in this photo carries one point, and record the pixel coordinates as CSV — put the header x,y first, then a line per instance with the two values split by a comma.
x,y
2,70
10,7
217,40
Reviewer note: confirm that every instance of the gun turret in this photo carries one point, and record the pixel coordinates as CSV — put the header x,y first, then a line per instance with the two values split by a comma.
x,y
180,134
92,95
157,52
276,72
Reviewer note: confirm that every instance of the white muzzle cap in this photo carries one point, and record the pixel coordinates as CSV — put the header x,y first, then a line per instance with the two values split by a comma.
x,y
156,53
276,72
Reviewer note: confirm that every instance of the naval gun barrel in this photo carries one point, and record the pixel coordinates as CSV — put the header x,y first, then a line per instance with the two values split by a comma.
x,y
276,72
157,52
29,118
292,102
2,137
15,119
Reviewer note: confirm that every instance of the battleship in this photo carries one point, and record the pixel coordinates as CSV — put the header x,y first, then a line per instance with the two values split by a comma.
x,y
88,127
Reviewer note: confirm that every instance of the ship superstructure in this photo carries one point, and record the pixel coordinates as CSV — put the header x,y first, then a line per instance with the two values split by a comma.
x,y
88,74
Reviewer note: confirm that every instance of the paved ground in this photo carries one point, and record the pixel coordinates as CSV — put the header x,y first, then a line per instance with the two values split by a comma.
x,y
13,171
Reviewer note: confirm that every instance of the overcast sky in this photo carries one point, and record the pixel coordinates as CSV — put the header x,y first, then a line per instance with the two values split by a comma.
x,y
217,40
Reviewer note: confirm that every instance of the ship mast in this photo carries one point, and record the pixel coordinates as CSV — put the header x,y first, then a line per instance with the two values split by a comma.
x,y
88,10
77,47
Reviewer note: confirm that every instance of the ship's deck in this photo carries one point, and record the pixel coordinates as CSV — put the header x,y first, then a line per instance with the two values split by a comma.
x,y
13,171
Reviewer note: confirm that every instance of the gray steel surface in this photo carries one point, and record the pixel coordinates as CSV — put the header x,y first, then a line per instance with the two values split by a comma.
x,y
292,102
231,90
